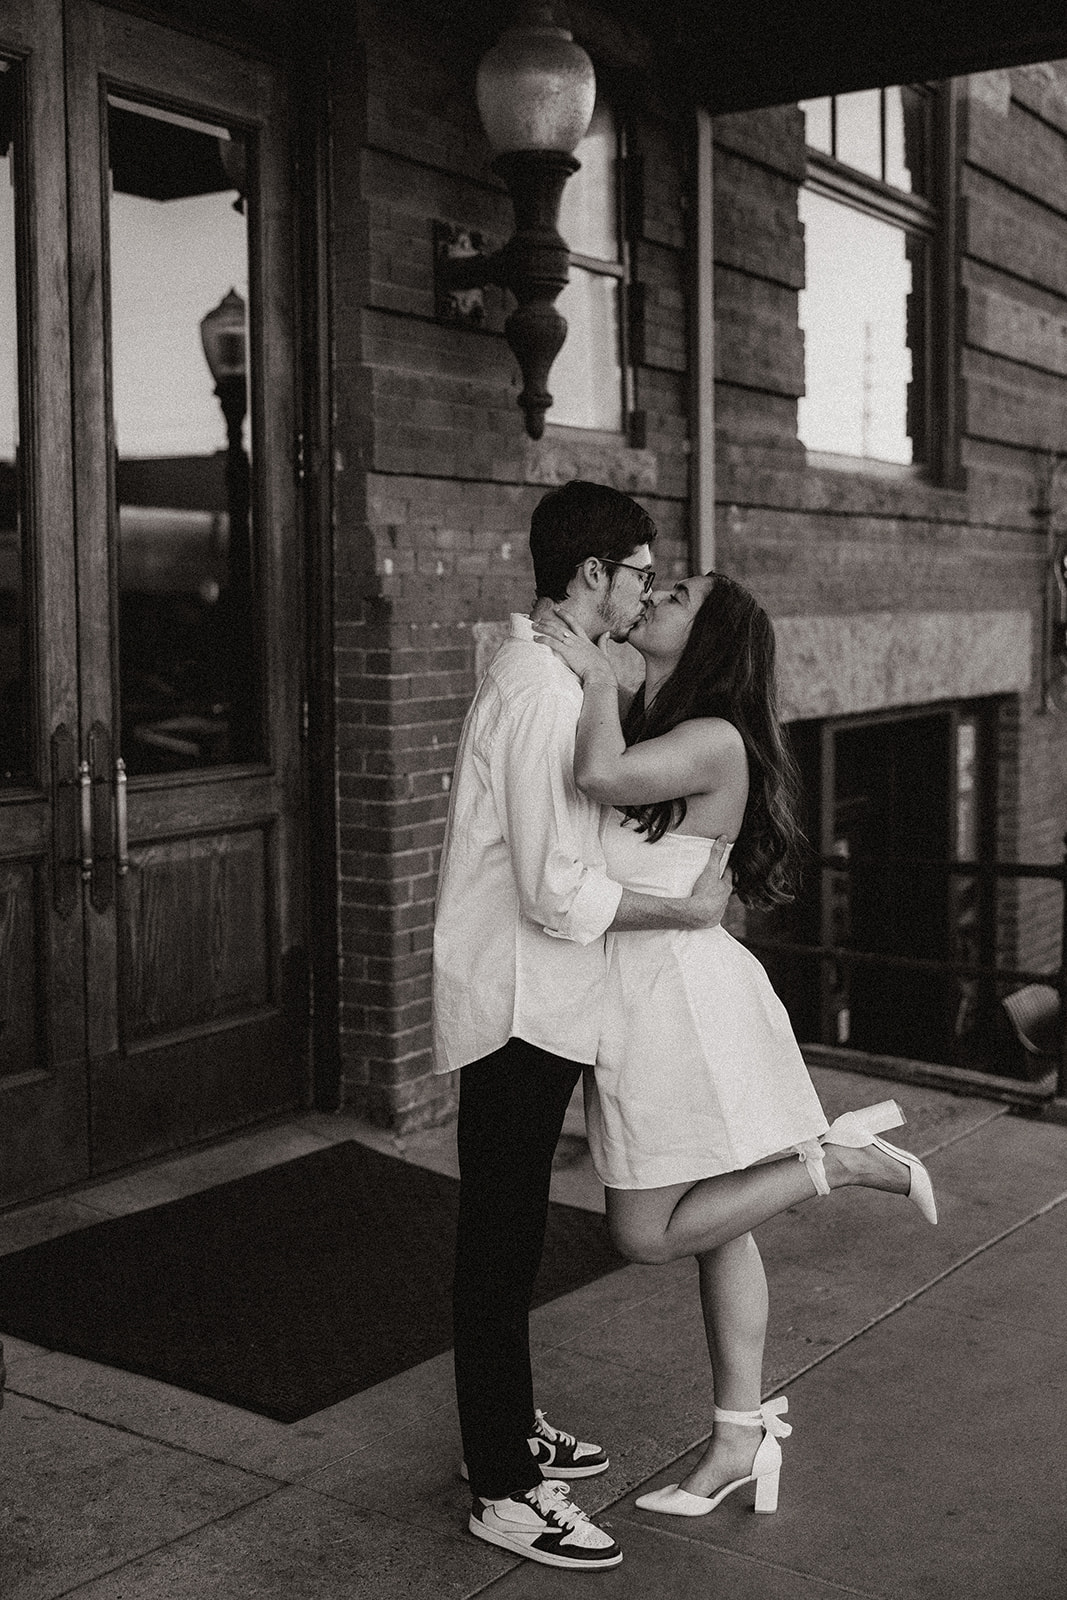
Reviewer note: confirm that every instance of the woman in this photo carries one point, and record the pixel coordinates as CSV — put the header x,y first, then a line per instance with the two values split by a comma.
x,y
701,1101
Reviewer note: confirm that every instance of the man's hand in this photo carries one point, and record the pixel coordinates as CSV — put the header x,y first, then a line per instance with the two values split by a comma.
x,y
711,893
702,908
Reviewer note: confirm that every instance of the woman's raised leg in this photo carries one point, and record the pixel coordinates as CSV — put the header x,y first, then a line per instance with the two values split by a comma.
x,y
686,1219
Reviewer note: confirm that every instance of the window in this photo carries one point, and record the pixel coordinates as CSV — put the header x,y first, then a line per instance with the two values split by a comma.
x,y
872,228
588,376
893,799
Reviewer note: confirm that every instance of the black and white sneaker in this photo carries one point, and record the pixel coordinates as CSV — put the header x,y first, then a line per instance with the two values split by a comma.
x,y
559,1454
545,1527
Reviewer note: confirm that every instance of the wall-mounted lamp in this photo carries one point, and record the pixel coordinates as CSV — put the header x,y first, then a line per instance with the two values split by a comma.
x,y
536,91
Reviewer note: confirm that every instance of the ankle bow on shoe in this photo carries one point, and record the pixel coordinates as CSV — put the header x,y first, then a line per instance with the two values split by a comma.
x,y
768,1416
855,1130
673,1501
852,1128
810,1153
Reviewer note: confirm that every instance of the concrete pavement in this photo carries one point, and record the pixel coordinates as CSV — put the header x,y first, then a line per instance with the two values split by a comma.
x,y
926,1371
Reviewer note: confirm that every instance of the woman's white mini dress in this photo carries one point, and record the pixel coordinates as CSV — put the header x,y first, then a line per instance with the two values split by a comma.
x,y
698,1071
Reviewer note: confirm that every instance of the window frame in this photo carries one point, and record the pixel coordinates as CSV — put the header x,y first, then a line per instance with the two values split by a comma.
x,y
620,269
930,217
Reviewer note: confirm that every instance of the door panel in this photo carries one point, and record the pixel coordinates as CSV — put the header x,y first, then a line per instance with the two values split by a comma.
x,y
195,931
43,1105
188,556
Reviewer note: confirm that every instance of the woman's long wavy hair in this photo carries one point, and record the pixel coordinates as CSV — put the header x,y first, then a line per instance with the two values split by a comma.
x,y
727,669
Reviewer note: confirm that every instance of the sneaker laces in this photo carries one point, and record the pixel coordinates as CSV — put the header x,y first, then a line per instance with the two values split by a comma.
x,y
552,1496
547,1431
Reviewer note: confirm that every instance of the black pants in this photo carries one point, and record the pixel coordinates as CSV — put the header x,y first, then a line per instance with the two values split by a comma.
x,y
511,1109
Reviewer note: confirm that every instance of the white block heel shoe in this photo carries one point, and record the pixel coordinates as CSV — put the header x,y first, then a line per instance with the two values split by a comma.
x,y
857,1129
671,1501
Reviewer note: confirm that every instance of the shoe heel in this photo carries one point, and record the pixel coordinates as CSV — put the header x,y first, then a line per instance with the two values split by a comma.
x,y
881,1117
767,1490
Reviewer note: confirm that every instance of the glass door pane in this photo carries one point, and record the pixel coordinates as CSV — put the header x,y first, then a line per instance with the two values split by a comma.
x,y
189,689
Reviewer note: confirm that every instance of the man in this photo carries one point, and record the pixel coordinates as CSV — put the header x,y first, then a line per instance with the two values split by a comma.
x,y
523,904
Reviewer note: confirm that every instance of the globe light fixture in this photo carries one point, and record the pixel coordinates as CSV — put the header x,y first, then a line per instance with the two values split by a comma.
x,y
536,91
222,334
535,87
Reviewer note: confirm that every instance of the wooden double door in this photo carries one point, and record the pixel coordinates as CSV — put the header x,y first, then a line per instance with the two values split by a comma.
x,y
152,921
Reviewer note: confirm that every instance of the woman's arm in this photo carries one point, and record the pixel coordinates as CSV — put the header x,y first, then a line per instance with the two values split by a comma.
x,y
695,758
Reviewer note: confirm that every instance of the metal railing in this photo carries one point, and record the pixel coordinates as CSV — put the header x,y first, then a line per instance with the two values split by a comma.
x,y
987,874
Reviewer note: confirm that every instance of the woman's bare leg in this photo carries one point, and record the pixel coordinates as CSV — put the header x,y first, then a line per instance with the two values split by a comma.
x,y
733,1298
688,1219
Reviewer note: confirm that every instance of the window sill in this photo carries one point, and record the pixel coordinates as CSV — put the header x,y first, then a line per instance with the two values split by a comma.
x,y
868,466
798,481
857,484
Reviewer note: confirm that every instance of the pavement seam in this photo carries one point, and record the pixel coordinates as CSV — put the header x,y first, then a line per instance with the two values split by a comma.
x,y
761,1561
167,1544
143,1555
725,1550
151,1438
995,1114
279,1480
924,1288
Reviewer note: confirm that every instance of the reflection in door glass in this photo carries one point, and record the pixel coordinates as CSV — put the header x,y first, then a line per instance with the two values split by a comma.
x,y
16,721
189,683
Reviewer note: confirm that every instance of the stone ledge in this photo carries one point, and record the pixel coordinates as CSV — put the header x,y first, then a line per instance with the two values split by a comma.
x,y
836,666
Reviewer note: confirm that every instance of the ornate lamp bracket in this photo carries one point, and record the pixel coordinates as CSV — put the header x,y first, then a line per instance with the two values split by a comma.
x,y
534,265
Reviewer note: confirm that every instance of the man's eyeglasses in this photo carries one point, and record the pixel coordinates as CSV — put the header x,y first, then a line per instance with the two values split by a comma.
x,y
646,574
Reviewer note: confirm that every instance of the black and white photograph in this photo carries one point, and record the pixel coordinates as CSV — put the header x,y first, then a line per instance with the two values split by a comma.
x,y
533,800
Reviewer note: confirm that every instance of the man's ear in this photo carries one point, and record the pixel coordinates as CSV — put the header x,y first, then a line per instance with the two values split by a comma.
x,y
588,574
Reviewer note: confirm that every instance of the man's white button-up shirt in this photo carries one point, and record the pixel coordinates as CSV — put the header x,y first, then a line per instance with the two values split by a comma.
x,y
523,899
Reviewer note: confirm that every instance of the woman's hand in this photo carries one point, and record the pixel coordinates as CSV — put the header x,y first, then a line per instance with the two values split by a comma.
x,y
574,646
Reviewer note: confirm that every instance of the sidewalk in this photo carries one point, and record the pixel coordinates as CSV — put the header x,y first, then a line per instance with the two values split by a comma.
x,y
926,1370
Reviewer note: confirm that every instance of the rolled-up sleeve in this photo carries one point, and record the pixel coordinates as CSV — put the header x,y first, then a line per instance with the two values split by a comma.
x,y
530,763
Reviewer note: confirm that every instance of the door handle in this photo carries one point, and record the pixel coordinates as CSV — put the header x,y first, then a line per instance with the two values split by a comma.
x,y
66,845
122,827
82,823
85,813
101,823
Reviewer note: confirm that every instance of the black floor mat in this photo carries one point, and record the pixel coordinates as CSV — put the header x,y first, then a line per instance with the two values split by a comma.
x,y
282,1292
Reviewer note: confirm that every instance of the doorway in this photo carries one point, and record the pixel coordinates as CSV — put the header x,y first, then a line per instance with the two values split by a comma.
x,y
152,918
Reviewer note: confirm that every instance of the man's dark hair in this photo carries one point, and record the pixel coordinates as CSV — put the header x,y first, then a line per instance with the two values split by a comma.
x,y
580,520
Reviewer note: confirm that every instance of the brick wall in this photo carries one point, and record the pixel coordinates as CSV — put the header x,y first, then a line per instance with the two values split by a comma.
x,y
436,480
